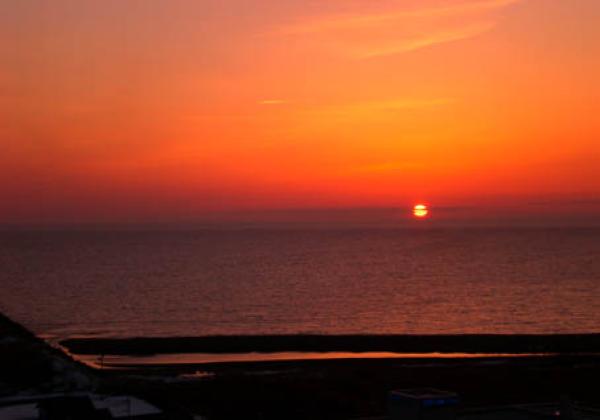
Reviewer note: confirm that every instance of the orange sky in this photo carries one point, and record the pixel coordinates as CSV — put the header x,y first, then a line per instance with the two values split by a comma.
x,y
148,110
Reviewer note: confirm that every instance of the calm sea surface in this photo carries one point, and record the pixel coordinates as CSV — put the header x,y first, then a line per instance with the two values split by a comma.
x,y
209,282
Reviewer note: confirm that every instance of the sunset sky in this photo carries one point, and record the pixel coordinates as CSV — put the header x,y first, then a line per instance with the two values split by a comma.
x,y
212,110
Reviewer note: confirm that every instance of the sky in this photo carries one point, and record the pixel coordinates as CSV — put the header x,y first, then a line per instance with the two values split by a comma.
x,y
127,111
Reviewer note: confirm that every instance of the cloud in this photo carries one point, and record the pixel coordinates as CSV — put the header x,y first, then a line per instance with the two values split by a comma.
x,y
425,40
365,20
365,35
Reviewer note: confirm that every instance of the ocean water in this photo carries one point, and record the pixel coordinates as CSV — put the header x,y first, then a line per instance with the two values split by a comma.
x,y
65,284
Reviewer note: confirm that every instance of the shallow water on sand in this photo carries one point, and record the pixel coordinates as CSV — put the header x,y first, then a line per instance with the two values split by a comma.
x,y
186,359
65,284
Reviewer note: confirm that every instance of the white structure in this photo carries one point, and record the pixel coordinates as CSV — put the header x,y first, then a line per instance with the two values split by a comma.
x,y
422,404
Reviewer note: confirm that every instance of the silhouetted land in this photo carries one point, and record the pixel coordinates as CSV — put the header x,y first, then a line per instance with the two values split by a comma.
x,y
481,343
28,363
314,389
343,389
319,389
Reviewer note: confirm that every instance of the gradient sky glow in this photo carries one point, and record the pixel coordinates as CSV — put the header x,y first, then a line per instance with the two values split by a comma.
x,y
173,110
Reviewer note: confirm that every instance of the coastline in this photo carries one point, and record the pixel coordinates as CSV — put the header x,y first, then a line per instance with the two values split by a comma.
x,y
333,388
412,344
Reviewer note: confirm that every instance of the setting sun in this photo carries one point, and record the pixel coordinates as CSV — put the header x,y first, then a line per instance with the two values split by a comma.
x,y
420,211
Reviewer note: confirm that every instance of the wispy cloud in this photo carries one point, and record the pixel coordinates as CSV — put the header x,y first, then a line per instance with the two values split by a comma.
x,y
365,20
424,40
399,30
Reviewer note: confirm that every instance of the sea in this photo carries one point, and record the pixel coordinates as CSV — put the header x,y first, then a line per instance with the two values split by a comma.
x,y
126,283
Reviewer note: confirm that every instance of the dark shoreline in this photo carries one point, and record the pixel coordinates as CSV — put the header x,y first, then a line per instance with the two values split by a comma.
x,y
319,389
470,343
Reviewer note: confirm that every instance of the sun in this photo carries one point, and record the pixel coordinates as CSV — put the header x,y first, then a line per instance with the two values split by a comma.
x,y
420,211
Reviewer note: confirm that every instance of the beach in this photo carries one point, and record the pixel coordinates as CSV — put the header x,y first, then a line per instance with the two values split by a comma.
x,y
353,388
334,388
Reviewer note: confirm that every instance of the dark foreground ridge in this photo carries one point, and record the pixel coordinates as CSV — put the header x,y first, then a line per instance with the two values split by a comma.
x,y
479,343
29,364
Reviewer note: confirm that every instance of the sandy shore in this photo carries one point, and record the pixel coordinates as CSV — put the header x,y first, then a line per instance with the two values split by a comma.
x,y
318,389
346,388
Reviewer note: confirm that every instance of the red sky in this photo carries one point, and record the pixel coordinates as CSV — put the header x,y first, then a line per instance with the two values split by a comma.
x,y
188,111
